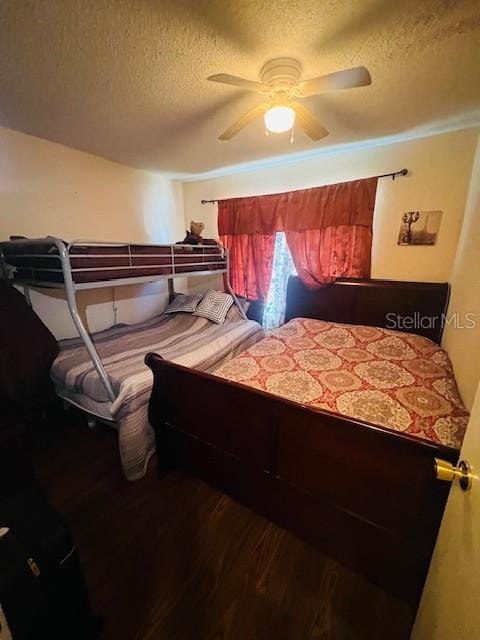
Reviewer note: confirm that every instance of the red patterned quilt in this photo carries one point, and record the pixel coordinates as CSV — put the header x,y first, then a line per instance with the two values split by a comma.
x,y
396,380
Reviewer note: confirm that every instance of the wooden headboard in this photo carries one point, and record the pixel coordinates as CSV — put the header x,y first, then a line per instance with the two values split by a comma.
x,y
414,307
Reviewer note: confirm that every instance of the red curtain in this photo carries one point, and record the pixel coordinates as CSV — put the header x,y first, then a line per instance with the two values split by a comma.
x,y
251,260
323,255
328,230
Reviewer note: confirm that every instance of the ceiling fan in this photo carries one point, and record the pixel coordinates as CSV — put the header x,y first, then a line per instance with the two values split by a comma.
x,y
281,85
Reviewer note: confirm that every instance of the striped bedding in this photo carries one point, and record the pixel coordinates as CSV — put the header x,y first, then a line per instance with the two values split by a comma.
x,y
182,338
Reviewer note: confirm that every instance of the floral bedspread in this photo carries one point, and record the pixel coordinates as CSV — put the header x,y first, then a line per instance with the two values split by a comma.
x,y
396,380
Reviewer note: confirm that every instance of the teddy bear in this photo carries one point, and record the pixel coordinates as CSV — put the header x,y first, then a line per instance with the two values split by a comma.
x,y
193,236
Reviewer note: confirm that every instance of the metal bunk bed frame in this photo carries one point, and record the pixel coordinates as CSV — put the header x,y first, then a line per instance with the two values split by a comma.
x,y
71,287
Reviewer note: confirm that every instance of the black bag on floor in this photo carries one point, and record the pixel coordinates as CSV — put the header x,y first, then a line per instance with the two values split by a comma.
x,y
42,591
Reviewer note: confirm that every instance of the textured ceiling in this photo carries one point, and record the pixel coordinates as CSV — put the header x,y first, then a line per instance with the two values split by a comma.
x,y
125,79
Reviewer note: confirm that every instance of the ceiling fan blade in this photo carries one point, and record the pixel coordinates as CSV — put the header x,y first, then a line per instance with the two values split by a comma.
x,y
235,81
346,79
308,122
242,122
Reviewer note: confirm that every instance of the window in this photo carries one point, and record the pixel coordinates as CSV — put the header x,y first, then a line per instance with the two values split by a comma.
x,y
283,268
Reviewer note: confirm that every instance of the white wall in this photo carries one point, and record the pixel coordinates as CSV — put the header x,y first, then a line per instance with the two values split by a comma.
x,y
463,344
439,169
49,189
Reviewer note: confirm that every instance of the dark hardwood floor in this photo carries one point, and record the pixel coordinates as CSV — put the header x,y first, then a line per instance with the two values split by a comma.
x,y
175,559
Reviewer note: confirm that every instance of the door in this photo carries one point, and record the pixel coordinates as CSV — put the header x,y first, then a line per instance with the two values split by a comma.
x,y
450,604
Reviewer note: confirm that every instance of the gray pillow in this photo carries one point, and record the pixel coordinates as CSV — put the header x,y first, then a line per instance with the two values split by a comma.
x,y
184,304
214,306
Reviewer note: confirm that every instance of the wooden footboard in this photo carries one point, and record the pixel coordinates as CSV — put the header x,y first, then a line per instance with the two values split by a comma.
x,y
365,495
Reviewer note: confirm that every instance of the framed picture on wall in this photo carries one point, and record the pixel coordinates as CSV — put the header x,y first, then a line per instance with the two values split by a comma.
x,y
419,227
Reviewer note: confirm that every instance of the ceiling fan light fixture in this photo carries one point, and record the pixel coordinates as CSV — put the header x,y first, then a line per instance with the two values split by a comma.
x,y
279,119
282,88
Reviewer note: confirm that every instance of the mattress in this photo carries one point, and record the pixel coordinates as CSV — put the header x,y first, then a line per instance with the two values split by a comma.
x,y
396,380
182,338
95,262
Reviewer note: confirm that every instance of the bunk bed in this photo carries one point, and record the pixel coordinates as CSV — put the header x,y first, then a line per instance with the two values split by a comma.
x,y
103,373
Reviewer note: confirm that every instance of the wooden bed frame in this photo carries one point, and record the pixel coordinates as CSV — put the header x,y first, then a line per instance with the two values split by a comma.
x,y
363,494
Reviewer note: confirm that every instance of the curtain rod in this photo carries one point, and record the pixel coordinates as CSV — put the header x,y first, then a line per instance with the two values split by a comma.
x,y
393,175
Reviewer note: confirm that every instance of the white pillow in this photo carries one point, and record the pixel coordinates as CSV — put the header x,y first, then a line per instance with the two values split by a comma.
x,y
186,304
214,306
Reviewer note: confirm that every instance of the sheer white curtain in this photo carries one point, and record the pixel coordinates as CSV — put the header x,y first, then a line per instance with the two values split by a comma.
x,y
283,268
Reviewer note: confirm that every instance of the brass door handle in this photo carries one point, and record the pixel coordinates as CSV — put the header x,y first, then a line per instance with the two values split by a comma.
x,y
445,470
